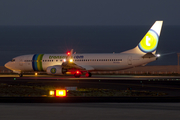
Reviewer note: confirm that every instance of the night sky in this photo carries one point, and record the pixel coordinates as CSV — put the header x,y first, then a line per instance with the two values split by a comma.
x,y
88,12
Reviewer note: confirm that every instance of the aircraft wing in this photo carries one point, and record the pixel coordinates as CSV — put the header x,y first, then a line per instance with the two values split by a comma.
x,y
68,65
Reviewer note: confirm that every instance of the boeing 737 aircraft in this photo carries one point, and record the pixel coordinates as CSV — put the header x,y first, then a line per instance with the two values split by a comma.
x,y
77,64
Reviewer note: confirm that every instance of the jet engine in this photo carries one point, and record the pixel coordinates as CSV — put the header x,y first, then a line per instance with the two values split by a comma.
x,y
55,70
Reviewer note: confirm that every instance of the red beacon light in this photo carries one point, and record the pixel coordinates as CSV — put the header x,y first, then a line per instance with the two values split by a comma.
x,y
68,53
77,72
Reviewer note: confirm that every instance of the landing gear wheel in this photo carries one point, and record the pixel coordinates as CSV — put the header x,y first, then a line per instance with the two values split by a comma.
x,y
88,74
77,75
21,75
64,71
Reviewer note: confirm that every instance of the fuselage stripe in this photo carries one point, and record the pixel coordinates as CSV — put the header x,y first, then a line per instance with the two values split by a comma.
x,y
37,62
33,62
40,68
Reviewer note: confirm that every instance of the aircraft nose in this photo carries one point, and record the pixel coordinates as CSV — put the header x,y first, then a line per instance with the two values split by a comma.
x,y
7,65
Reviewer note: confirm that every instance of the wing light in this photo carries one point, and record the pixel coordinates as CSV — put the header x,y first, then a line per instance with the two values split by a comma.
x,y
70,60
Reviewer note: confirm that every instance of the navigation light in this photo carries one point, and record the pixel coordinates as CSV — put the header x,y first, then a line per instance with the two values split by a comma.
x,y
68,53
158,55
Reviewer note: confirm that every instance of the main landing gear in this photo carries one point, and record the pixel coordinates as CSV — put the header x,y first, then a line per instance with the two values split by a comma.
x,y
77,74
88,74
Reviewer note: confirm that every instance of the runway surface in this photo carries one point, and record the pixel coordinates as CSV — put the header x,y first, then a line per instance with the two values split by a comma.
x,y
90,111
166,84
95,108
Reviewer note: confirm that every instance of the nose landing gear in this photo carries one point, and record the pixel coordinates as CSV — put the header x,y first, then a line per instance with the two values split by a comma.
x,y
20,75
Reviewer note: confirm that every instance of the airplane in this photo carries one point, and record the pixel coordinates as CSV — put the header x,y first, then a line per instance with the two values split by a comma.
x,y
77,64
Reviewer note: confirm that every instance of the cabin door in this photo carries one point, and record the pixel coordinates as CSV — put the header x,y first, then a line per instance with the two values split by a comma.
x,y
129,60
21,61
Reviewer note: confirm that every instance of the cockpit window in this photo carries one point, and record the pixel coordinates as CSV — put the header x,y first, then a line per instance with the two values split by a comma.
x,y
12,60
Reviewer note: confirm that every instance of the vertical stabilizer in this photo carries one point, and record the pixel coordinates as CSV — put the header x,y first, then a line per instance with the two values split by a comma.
x,y
149,42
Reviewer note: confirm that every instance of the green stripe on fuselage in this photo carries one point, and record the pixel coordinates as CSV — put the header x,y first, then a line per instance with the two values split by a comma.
x,y
39,62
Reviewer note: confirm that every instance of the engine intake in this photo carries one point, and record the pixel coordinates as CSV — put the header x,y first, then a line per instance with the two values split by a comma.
x,y
55,70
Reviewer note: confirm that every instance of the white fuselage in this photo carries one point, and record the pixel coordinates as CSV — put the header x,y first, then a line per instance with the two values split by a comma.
x,y
91,62
142,54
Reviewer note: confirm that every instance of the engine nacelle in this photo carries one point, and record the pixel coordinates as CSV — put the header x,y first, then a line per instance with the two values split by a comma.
x,y
55,70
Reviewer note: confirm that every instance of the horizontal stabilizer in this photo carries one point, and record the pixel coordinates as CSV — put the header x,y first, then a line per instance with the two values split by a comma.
x,y
148,55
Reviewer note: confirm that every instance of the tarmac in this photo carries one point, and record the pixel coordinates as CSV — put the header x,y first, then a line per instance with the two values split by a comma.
x,y
92,108
90,111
